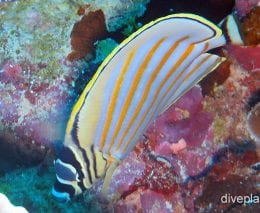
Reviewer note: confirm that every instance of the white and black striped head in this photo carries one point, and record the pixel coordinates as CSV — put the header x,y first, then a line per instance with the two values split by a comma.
x,y
69,176
77,170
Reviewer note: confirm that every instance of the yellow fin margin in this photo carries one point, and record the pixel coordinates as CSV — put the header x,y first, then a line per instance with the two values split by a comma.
x,y
90,84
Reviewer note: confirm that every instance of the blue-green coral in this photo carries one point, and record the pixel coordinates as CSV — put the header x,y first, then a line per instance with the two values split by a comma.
x,y
103,48
24,187
120,13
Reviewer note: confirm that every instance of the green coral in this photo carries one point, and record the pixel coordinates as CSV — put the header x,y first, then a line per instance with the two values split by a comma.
x,y
4,188
24,187
103,48
119,13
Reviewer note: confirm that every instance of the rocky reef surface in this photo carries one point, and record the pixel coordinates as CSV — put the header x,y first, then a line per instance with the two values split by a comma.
x,y
202,148
46,57
197,151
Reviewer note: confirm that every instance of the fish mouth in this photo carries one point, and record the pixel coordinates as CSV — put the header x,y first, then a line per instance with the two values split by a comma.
x,y
62,197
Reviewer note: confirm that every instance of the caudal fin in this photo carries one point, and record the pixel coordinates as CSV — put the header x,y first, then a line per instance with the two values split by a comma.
x,y
231,31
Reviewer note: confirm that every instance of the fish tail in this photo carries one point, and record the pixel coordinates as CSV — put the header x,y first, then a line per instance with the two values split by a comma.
x,y
231,30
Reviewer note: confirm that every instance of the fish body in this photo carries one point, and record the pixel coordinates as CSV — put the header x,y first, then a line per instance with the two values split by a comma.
x,y
4,1
138,81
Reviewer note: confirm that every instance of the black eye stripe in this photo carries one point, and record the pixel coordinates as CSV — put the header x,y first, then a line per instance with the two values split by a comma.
x,y
64,172
81,185
67,156
60,187
74,135
94,161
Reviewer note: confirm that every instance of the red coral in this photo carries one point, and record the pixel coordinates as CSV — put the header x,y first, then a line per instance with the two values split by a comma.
x,y
159,176
244,6
11,72
144,171
247,57
127,173
155,202
183,120
31,110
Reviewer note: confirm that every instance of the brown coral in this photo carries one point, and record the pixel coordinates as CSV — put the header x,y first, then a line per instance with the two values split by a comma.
x,y
86,32
251,27
215,78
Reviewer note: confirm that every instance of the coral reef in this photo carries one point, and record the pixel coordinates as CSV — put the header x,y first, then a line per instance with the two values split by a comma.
x,y
213,148
35,79
251,27
31,188
245,6
203,141
247,57
38,84
203,147
232,172
119,13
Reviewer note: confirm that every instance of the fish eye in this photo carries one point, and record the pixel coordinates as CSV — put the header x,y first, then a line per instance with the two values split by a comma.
x,y
65,171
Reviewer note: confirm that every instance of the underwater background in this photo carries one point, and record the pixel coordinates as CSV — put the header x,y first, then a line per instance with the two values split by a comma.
x,y
49,50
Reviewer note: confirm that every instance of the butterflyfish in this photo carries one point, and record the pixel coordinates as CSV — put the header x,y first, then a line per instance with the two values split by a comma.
x,y
138,81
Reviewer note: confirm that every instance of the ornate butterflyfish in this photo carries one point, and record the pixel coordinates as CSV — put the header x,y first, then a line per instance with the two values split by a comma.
x,y
138,81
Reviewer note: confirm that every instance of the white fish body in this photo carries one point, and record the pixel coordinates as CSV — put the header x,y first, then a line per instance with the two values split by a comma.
x,y
138,81
142,78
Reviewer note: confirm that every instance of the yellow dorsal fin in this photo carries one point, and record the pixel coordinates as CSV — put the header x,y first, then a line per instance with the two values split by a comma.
x,y
91,83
